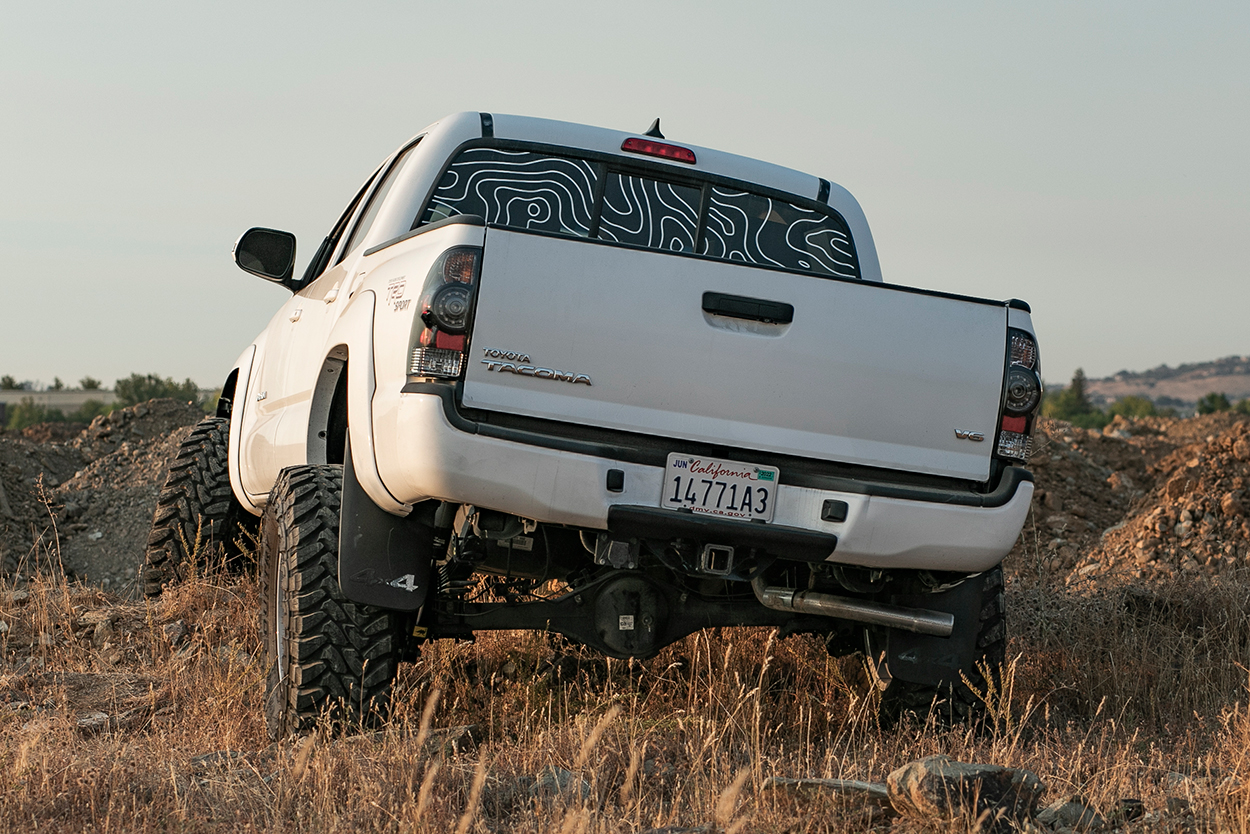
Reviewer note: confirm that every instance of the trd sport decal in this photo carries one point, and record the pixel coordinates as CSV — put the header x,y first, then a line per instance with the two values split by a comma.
x,y
395,294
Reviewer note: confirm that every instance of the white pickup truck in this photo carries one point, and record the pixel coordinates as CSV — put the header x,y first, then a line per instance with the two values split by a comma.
x,y
547,376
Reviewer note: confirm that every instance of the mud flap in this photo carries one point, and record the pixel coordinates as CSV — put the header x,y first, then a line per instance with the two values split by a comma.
x,y
933,661
384,560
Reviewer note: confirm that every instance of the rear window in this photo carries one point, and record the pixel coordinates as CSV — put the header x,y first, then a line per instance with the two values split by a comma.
x,y
651,213
754,229
523,190
565,195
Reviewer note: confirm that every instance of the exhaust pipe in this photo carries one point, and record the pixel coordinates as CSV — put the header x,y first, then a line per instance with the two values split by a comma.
x,y
919,620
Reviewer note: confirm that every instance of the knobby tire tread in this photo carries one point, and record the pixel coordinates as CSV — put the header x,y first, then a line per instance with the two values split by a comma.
x,y
340,658
195,499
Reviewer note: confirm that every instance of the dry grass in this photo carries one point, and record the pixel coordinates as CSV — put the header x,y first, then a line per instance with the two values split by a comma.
x,y
1110,692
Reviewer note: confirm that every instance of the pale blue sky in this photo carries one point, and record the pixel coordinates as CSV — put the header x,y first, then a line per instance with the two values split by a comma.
x,y
1091,159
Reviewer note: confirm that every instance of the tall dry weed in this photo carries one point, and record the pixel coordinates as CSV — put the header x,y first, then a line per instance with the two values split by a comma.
x,y
1111,693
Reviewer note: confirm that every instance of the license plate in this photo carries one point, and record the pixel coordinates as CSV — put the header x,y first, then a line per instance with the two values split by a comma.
x,y
727,488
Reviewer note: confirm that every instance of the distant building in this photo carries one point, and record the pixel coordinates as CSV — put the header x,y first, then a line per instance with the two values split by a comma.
x,y
65,401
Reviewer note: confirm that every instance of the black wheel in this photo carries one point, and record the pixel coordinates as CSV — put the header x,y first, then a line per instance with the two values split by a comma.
x,y
327,657
955,701
196,504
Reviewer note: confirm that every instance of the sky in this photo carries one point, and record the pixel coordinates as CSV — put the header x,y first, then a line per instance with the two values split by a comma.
x,y
1091,159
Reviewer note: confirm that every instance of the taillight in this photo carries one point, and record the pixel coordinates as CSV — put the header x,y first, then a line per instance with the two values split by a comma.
x,y
441,328
650,147
1022,395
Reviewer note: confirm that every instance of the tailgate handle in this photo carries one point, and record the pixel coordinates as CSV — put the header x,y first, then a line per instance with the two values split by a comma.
x,y
741,307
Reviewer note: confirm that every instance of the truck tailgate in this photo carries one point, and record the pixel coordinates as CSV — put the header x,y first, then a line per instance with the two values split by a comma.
x,y
617,338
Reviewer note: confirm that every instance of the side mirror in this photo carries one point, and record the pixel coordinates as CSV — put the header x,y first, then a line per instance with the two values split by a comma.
x,y
267,253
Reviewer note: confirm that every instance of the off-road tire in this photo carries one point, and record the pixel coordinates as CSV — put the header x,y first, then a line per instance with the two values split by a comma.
x,y
196,504
328,658
956,702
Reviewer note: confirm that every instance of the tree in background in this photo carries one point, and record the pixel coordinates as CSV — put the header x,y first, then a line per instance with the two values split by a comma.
x,y
1072,404
56,385
88,411
8,383
1213,402
209,403
137,389
1133,407
89,383
28,413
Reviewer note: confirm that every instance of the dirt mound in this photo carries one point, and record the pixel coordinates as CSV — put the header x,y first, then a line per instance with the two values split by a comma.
x,y
29,472
87,503
53,432
137,424
1139,499
1193,520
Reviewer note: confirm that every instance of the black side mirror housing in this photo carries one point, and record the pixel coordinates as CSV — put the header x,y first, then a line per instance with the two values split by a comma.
x,y
267,253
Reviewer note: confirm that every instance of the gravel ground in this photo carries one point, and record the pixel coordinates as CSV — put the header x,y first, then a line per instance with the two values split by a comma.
x,y
88,500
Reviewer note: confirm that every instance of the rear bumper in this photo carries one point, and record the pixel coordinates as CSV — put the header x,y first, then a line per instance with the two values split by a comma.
x,y
421,455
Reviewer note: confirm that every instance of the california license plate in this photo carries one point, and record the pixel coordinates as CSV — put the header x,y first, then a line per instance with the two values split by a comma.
x,y
727,488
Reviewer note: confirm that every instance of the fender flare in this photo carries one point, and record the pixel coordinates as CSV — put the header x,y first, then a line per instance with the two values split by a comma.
x,y
242,391
354,329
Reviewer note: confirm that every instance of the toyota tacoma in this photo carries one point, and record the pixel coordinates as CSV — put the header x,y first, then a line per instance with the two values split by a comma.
x,y
547,376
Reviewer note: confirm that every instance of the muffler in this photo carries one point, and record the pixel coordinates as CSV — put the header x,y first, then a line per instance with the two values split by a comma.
x,y
919,620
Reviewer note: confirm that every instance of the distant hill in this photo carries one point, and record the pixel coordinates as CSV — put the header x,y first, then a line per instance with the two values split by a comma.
x,y
1178,387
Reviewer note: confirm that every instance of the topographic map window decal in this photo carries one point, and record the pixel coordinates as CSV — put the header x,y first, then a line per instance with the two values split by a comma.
x,y
650,213
524,190
754,229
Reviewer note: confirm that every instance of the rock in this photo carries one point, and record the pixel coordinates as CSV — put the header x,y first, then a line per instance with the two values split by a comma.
x,y
1053,502
556,781
1231,504
1181,782
1179,486
103,633
1127,810
1059,522
449,741
1177,806
940,788
93,722
1071,813
17,597
869,791
219,758
1119,482
176,632
234,656
4,627
1241,448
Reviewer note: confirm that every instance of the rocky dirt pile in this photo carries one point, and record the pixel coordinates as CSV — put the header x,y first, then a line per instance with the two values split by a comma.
x,y
1139,499
89,501
1194,518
